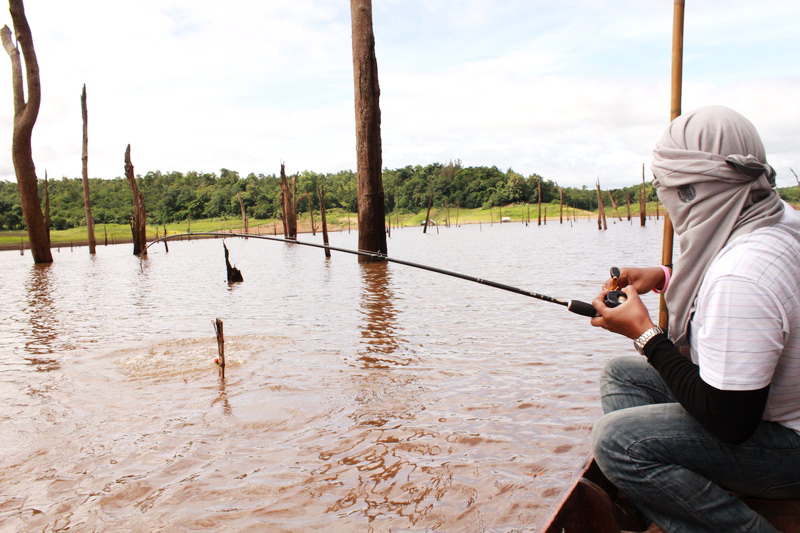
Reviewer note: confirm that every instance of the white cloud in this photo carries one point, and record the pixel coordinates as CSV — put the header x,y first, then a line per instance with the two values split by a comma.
x,y
570,90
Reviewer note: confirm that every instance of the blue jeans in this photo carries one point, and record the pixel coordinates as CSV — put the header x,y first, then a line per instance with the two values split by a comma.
x,y
677,473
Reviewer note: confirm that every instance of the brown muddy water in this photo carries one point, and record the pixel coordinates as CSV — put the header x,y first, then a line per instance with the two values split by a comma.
x,y
357,397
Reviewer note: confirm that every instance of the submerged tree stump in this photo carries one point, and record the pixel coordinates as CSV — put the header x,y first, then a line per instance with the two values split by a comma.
x,y
234,274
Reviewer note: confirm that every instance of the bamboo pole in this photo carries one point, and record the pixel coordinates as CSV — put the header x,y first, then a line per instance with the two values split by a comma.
x,y
675,111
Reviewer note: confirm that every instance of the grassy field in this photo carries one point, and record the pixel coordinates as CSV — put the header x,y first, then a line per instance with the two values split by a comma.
x,y
337,220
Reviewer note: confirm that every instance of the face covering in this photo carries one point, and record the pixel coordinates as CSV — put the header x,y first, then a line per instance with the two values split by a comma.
x,y
713,178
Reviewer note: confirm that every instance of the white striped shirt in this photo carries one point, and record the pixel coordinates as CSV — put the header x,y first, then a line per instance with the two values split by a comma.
x,y
745,333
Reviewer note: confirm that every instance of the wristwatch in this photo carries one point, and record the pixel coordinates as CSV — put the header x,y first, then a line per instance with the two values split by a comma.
x,y
640,343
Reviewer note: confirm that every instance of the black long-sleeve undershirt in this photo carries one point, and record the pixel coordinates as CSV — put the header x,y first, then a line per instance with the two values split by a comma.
x,y
731,416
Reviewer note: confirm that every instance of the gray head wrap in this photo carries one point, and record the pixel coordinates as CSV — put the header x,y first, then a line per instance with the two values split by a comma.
x,y
713,178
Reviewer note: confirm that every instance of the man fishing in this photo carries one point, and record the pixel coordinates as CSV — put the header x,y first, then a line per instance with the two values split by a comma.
x,y
682,436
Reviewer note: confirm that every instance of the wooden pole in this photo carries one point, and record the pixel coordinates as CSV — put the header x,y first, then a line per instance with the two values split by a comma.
x,y
560,205
675,111
220,346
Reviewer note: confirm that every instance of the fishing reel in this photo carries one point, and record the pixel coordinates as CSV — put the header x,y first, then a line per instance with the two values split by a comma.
x,y
615,297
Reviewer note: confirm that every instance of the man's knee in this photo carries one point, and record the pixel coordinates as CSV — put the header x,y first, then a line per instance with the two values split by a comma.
x,y
614,434
623,368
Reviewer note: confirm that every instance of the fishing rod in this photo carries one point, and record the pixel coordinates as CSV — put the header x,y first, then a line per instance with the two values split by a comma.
x,y
576,306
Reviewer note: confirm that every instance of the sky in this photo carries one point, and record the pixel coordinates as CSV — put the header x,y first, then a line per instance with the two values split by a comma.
x,y
574,90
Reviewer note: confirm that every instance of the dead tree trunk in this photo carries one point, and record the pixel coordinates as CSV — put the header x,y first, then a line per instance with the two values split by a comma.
x,y
25,114
629,207
614,205
87,204
428,212
311,213
371,208
323,218
539,194
46,203
289,215
244,213
293,215
601,212
139,219
642,203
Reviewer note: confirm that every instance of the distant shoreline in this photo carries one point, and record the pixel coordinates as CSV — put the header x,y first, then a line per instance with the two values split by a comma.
x,y
303,229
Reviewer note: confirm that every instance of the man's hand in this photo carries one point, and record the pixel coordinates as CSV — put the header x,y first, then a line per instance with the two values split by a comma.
x,y
642,279
630,319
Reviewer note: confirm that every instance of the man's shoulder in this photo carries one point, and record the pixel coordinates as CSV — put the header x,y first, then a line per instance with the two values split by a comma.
x,y
767,253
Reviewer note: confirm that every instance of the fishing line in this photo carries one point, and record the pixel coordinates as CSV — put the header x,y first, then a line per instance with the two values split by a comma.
x,y
575,306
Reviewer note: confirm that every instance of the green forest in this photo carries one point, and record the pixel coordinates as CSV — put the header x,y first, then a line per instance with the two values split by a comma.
x,y
175,196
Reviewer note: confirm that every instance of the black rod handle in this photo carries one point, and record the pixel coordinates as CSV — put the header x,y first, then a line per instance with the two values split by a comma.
x,y
582,308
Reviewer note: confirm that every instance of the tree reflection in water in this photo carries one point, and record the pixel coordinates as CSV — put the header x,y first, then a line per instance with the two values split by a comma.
x,y
380,340
42,335
388,464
